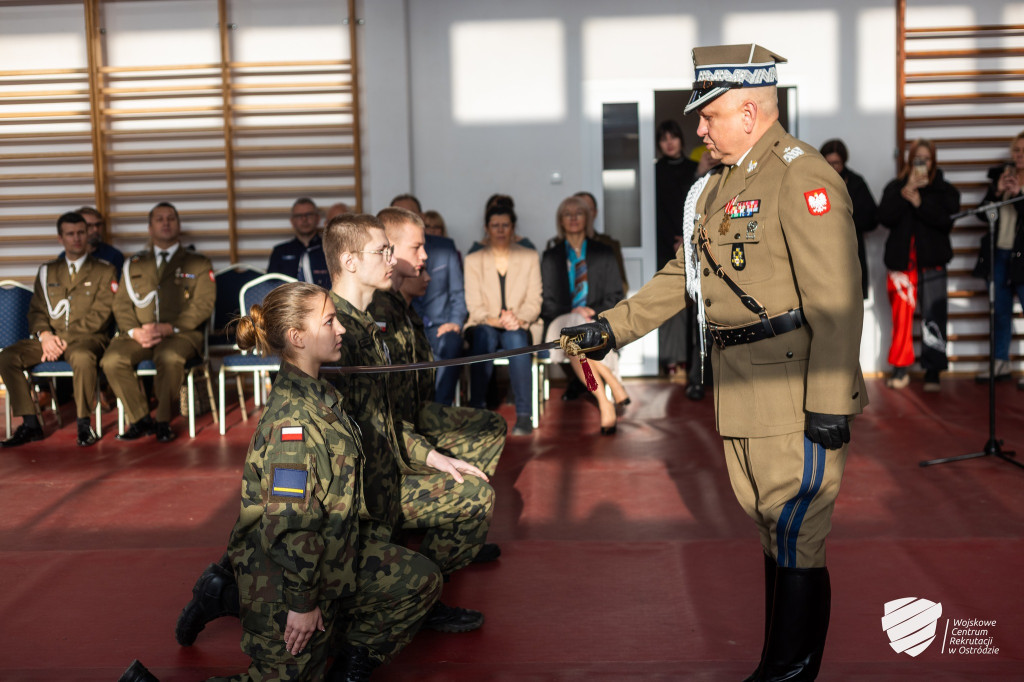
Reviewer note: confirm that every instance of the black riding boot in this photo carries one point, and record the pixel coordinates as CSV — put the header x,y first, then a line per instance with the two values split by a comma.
x,y
215,594
796,638
770,567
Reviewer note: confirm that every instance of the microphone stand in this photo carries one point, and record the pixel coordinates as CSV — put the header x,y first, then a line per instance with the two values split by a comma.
x,y
994,446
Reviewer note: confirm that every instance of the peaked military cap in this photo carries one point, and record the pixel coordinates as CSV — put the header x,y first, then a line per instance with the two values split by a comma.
x,y
723,67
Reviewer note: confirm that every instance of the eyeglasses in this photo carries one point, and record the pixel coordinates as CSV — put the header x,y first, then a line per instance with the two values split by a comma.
x,y
387,252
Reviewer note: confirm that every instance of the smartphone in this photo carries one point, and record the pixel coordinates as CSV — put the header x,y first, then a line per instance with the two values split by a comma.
x,y
921,169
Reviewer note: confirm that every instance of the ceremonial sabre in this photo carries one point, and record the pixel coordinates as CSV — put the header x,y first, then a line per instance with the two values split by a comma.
x,y
570,346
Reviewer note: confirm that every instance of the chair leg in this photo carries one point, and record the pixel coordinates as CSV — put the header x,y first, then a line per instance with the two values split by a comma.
x,y
241,397
257,389
53,402
209,392
220,394
99,412
535,392
191,403
120,417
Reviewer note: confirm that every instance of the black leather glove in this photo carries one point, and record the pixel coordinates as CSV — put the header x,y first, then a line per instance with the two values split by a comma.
x,y
829,431
590,335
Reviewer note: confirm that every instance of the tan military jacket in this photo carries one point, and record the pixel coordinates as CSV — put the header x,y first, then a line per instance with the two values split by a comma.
x,y
782,227
186,293
89,297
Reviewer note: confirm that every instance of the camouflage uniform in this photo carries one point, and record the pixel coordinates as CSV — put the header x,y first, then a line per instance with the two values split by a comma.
x,y
470,434
295,544
404,491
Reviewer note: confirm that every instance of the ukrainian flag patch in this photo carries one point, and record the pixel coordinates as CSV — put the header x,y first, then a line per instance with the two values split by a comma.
x,y
289,482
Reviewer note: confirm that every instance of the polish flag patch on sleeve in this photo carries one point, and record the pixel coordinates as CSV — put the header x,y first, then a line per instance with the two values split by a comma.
x,y
291,433
817,201
212,278
113,285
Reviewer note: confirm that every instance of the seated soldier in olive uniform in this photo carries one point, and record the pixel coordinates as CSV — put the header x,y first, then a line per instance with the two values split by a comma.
x,y
69,317
470,434
770,258
166,296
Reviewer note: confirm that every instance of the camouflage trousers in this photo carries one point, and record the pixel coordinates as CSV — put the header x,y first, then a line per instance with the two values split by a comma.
x,y
395,589
263,625
467,433
455,516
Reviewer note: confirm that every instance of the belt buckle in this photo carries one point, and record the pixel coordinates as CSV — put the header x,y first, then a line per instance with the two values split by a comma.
x,y
716,336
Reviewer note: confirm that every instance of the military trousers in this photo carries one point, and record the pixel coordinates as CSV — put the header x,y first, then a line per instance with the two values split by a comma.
x,y
263,626
471,434
456,516
395,589
82,354
169,356
788,486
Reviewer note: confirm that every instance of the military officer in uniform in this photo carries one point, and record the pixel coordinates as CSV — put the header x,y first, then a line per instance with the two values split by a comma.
x,y
167,294
303,256
69,317
771,257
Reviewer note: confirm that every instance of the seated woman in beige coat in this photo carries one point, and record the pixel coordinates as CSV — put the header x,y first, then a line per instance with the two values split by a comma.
x,y
503,295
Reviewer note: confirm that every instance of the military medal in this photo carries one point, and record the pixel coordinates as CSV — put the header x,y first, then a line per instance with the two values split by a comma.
x,y
724,227
752,229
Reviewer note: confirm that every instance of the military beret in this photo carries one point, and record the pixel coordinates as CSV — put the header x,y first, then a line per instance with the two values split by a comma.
x,y
722,67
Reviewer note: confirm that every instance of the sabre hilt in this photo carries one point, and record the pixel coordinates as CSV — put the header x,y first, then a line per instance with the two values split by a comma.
x,y
578,339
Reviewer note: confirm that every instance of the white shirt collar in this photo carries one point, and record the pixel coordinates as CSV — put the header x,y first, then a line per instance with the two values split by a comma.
x,y
740,160
77,263
171,250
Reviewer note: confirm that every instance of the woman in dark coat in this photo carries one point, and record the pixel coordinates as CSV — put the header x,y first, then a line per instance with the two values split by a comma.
x,y
581,279
864,207
1005,182
917,207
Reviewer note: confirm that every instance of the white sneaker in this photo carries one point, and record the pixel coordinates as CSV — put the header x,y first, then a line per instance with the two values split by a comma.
x,y
1003,371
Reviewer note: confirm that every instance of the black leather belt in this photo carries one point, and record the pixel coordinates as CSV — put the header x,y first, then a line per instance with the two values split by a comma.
x,y
757,331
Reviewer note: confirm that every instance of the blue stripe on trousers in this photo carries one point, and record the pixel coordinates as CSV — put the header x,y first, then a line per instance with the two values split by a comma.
x,y
793,512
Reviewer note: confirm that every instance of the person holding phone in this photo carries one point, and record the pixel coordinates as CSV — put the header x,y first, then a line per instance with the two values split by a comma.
x,y
1005,182
917,207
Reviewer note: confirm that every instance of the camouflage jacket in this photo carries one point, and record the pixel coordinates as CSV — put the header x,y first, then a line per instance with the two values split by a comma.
x,y
408,391
369,396
296,538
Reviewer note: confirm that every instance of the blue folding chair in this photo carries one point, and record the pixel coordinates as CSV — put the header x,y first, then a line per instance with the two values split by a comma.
x,y
14,301
199,364
230,281
239,363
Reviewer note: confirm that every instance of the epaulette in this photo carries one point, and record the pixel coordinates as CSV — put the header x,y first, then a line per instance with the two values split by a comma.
x,y
791,152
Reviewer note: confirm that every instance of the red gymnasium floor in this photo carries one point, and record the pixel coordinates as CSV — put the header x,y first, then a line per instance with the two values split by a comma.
x,y
625,558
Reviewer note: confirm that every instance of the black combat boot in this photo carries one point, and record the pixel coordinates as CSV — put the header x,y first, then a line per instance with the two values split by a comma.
x,y
353,664
770,568
444,618
215,594
796,639
137,672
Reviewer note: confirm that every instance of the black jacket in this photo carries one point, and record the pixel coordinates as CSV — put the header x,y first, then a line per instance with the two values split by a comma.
x,y
929,224
865,218
673,179
604,284
1015,270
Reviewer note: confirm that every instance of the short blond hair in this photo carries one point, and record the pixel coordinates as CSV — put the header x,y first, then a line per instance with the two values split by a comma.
x,y
563,208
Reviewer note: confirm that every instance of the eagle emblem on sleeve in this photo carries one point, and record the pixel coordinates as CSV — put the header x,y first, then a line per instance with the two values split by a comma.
x,y
817,201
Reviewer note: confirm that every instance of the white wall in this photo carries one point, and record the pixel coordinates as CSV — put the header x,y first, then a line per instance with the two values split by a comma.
x,y
495,94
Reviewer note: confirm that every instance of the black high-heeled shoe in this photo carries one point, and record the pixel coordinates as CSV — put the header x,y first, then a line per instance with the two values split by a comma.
x,y
609,430
620,407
